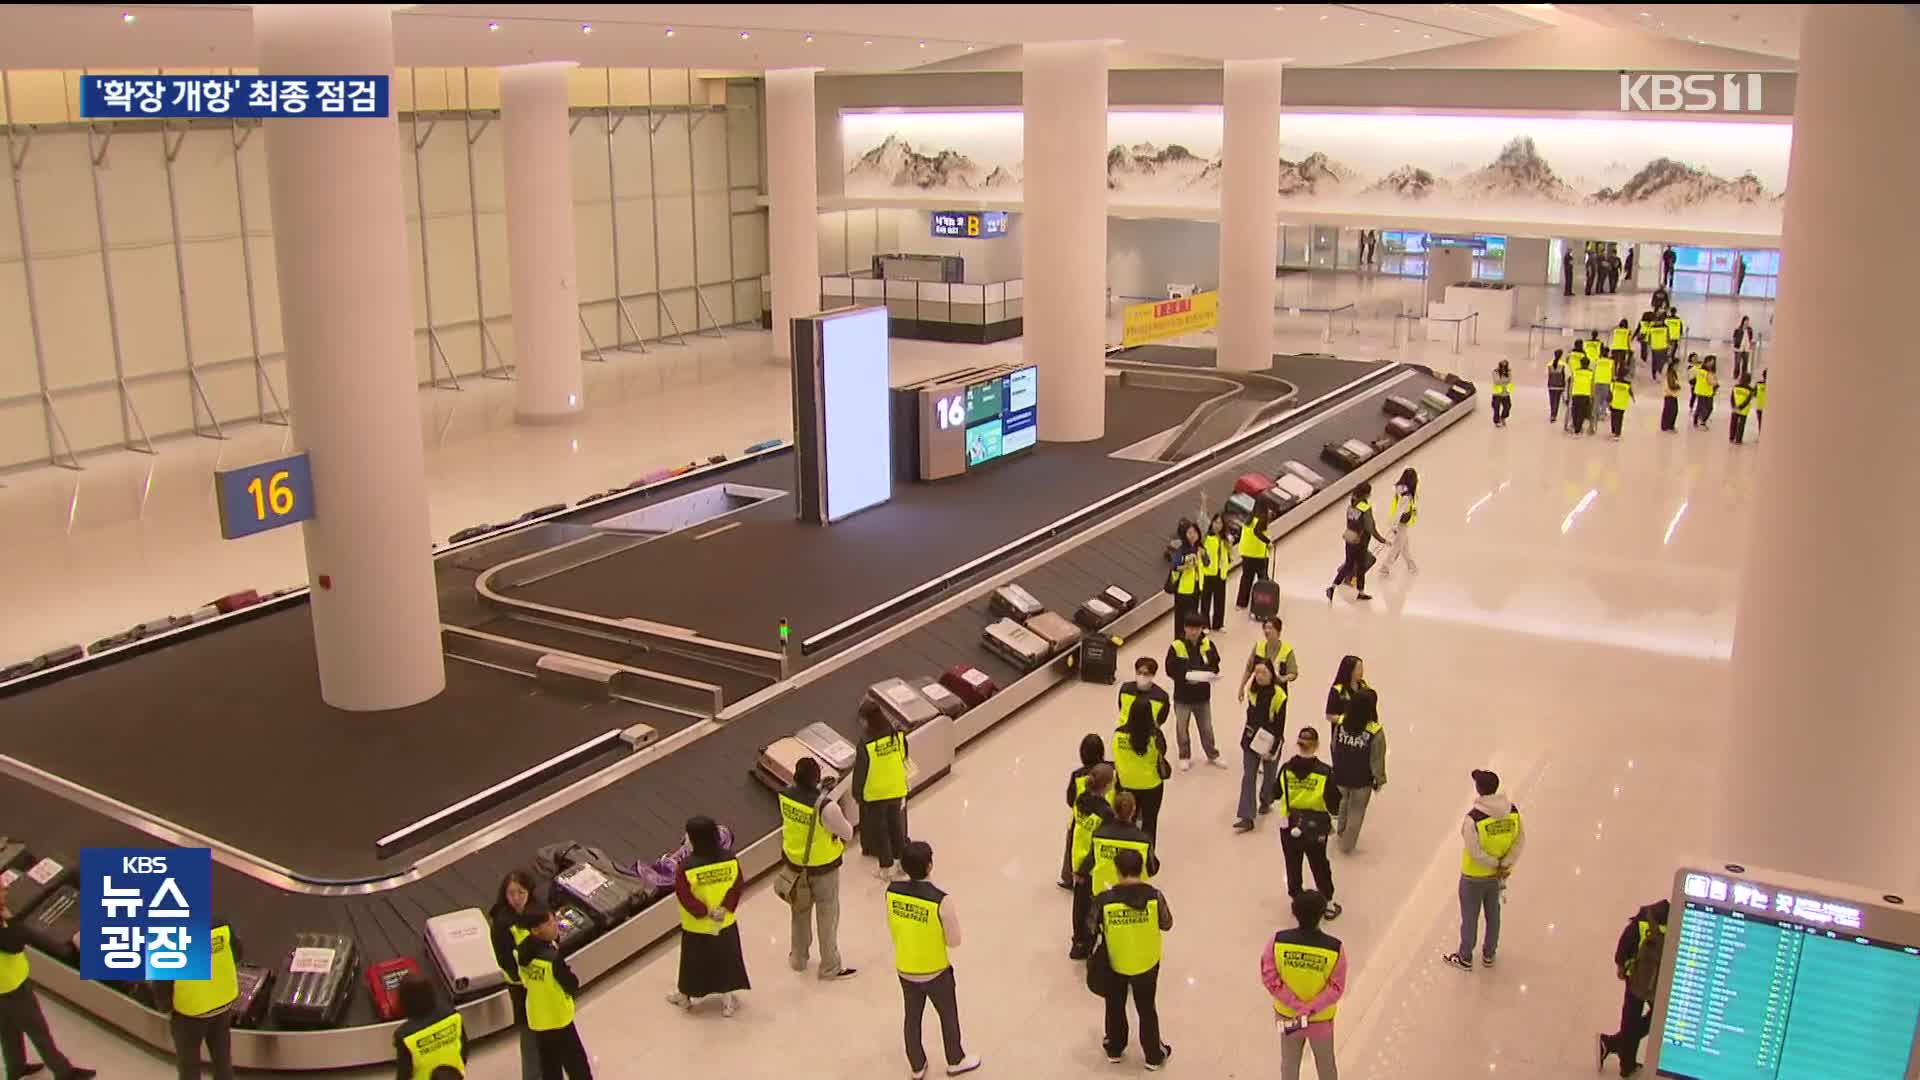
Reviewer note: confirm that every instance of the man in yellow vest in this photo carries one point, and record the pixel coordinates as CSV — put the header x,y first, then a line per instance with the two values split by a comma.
x,y
923,926
1118,834
1309,799
1660,344
1090,814
1132,916
1492,839
1305,973
1641,331
432,1038
20,1017
1254,544
1194,664
1644,936
813,838
1580,394
1620,395
1144,692
551,987
198,1015
1706,383
1676,329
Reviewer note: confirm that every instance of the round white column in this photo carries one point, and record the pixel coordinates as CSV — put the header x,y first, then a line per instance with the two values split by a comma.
x,y
1823,744
1249,211
793,203
1064,233
340,250
546,285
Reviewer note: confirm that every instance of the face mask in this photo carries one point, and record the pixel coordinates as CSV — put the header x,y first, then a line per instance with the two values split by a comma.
x,y
1144,682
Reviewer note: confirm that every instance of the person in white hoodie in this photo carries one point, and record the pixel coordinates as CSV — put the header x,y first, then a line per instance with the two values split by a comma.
x,y
1492,839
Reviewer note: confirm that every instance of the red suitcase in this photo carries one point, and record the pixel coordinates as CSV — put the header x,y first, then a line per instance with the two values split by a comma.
x,y
236,601
969,683
1252,485
383,985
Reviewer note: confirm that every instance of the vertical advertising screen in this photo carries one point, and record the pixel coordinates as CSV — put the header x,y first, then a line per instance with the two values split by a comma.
x,y
857,440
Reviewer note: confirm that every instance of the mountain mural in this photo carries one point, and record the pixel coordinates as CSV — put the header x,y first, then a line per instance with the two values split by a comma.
x,y
1407,182
897,164
1674,186
1146,167
1315,174
1518,174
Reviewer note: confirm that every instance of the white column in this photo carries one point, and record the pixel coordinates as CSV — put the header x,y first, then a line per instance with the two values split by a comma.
x,y
1064,95
340,250
1823,744
546,284
1249,208
793,203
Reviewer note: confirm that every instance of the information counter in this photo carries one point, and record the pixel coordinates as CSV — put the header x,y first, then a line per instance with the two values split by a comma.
x,y
963,313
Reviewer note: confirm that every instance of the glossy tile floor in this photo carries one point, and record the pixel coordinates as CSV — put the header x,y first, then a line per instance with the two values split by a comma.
x,y
1569,629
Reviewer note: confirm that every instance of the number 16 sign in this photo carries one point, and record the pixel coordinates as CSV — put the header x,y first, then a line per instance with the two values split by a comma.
x,y
255,498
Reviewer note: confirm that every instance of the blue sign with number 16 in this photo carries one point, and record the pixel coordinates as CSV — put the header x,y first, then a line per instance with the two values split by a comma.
x,y
256,498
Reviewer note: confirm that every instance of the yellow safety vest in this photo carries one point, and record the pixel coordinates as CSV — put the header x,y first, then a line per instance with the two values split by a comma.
x,y
549,1006
1703,383
1674,328
436,1045
1154,705
13,971
886,768
710,884
1188,576
913,919
1582,385
796,819
1413,508
1603,370
1622,394
1305,793
519,935
1742,400
1282,651
1497,835
1760,396
1080,788
204,997
1657,336
1622,339
1133,936
1251,545
1645,928
1503,389
1216,552
1592,348
1305,970
1084,826
1136,771
1206,645
1104,849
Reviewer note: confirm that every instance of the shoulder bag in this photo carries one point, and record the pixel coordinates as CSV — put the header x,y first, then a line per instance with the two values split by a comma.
x,y
794,885
1100,975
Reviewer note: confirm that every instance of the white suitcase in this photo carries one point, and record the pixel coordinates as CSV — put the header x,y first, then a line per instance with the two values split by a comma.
x,y
945,700
1015,602
906,706
1363,449
1436,400
1294,486
1312,478
829,746
1017,645
461,943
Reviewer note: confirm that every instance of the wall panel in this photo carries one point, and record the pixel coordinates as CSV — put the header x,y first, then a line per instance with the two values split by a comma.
x,y
164,404
147,297
712,240
749,244
23,432
676,241
73,319
92,418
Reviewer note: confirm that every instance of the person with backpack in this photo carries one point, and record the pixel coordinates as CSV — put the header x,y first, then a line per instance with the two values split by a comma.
x,y
1636,960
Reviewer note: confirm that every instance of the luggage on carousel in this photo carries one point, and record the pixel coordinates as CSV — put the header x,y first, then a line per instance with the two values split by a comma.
x,y
54,922
1458,388
543,511
314,983
1264,602
717,459
1095,613
1099,659
1016,644
836,754
1382,444
30,882
13,856
777,760
1437,401
125,637
969,684
161,626
907,707
235,601
600,890
1251,484
1313,478
1013,602
1343,456
1278,500
469,533
461,944
760,447
576,928
1118,597
1400,427
1397,406
654,477
255,984
383,985
1240,507
1300,489
945,700
1060,634
21,670
66,654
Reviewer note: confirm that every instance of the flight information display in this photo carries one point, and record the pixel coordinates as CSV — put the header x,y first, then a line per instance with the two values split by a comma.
x,y
1767,982
964,426
969,224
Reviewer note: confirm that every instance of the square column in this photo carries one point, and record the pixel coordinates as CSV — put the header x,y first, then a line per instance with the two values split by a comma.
x,y
1249,209
534,141
793,203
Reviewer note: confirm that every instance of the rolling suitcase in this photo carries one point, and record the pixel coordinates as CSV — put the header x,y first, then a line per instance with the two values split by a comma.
x,y
1060,634
235,601
29,884
1397,406
250,1005
576,928
762,447
1314,479
945,700
161,626
469,533
125,637
774,767
1277,501
54,922
1118,597
907,707
13,856
1294,486
1400,427
543,511
1435,400
1095,614
1010,601
1459,389
1360,448
1099,660
21,670
1342,456
1264,602
66,654
607,898
1016,644
969,684
461,944
1251,484
717,459
1240,506
836,754
314,984
383,985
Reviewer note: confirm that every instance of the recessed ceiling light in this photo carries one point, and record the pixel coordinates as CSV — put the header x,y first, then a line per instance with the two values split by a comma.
x,y
669,31
1396,29
1279,7
586,28
493,26
1363,26
923,44
744,35
1323,18
1429,37
869,41
809,39
126,16
970,48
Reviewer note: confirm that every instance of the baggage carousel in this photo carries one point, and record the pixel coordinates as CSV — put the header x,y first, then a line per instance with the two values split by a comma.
x,y
667,597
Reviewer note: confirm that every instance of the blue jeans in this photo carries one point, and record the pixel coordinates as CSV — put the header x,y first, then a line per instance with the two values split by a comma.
x,y
1478,895
1255,769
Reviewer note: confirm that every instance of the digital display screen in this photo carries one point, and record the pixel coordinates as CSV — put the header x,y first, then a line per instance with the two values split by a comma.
x,y
858,436
1767,983
983,402
966,426
969,224
984,443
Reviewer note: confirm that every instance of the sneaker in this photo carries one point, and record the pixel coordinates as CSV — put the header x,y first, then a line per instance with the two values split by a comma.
x,y
1606,1052
1243,825
843,973
1079,952
967,1065
1464,963
1113,1058
679,1000
918,1074
1216,763
1329,594
729,1004
1186,764
1265,809
884,873
1486,960
1166,1055
1362,596
1065,883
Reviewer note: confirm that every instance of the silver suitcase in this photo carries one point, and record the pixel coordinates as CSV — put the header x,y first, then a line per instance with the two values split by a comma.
x,y
1016,644
1436,400
1313,478
1294,486
1015,602
829,746
943,699
906,706
1363,449
461,943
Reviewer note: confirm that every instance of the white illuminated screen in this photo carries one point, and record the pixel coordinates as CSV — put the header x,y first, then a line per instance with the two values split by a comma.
x,y
858,436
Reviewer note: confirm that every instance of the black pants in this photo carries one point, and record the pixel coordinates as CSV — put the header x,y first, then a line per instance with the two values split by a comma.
x,y
1148,804
1143,986
883,824
1186,609
1213,603
1066,858
1252,572
1581,405
21,1022
1703,409
1741,362
562,1056
1636,1020
1502,408
1312,846
1658,363
1623,363
214,1032
1737,429
946,1005
1082,913
1670,414
1566,281
1354,566
1553,405
1619,418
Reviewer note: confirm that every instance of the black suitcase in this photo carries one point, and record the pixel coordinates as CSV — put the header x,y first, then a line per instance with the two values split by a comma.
x,y
125,637
1265,600
316,980
22,669
543,511
64,655
54,922
1459,389
607,898
576,928
469,533
1118,597
1401,427
13,856
1276,501
255,984
33,881
717,459
1099,659
1395,405
1341,456
1095,613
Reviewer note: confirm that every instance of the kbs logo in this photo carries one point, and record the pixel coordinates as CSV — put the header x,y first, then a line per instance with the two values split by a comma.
x,y
1690,93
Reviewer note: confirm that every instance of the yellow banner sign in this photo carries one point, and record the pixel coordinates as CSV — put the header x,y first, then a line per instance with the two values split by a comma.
x,y
1158,320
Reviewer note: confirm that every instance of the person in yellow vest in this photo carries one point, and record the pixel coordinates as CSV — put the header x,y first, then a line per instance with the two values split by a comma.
x,y
1193,663
1305,973
1742,402
1643,940
1660,344
1091,813
1254,545
432,1038
1359,533
1131,917
1403,515
1277,653
198,1008
516,889
1620,395
1643,333
21,1020
1309,800
1706,383
1670,405
880,787
1189,576
1118,834
1261,741
1140,760
1359,764
1579,395
922,923
1592,347
551,987
1502,393
1093,751
1675,327
1213,594
708,885
1492,839
1760,399
1603,378
813,839
1620,348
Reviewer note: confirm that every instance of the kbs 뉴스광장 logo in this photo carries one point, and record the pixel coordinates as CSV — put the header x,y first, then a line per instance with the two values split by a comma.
x,y
144,913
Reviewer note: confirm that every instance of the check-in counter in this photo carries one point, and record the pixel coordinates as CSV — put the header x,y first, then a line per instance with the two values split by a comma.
x,y
966,313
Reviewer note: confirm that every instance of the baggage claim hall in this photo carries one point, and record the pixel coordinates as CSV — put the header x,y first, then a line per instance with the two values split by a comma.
x,y
624,540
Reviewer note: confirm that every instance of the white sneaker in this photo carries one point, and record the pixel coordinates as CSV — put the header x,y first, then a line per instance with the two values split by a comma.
x,y
967,1065
1216,763
679,1000
884,873
729,1005
1186,764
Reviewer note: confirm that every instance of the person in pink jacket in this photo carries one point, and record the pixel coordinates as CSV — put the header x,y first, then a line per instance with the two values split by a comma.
x,y
1305,973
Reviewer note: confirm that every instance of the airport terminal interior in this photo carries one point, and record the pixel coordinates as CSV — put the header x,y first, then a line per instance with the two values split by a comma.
x,y
657,392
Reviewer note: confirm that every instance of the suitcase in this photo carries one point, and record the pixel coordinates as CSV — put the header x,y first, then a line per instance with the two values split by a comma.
x,y
235,601
1118,597
1437,401
1300,489
1095,614
1314,479
1099,660
1251,484
383,985
907,707
969,684
125,637
1400,427
1016,644
1426,417
774,767
21,670
836,754
550,508
254,983
1459,389
1361,447
1240,506
762,447
717,459
1382,444
608,899
461,944
1264,602
52,925
1013,602
577,928
161,626
945,700
1277,501
1060,634
1342,456
66,654
315,982
13,855
469,533
1397,406
31,882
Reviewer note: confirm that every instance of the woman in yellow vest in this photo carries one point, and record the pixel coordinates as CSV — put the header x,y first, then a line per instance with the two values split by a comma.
x,y
1620,395
551,987
516,890
1670,407
432,1038
1579,394
199,1014
708,885
1093,752
1254,543
1742,402
1502,393
1260,744
880,785
1706,383
1090,814
1140,758
1213,595
1621,348
1188,578
20,1016
1305,973
1132,915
